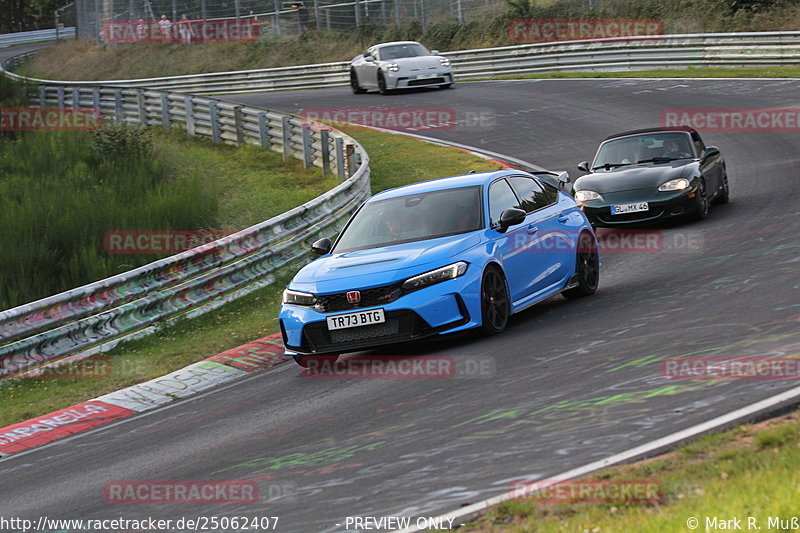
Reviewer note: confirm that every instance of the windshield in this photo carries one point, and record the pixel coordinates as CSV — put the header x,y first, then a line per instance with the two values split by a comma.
x,y
650,148
397,51
412,218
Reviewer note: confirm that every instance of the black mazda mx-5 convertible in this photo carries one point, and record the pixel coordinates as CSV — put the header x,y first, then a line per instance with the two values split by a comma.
x,y
645,176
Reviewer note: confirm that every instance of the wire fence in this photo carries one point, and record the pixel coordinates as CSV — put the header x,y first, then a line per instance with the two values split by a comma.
x,y
147,19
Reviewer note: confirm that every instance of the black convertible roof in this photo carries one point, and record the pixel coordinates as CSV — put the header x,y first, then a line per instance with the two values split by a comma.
x,y
652,130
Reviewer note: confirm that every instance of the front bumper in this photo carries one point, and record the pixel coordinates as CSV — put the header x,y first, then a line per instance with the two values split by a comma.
x,y
440,308
675,206
409,80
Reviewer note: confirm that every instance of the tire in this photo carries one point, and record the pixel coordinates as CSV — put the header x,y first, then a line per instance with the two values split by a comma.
x,y
587,268
724,196
315,361
495,305
382,84
354,83
702,202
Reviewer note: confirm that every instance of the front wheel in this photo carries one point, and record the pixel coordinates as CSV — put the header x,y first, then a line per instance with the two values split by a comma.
x,y
702,202
382,84
587,269
354,85
495,306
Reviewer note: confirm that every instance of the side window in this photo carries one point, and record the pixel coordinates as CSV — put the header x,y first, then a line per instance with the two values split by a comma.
x,y
531,194
551,191
698,145
501,197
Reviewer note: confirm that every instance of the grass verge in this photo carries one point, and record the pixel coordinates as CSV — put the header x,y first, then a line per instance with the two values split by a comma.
x,y
396,160
126,179
749,472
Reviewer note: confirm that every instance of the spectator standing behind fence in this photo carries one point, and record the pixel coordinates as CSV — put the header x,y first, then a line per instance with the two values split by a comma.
x,y
302,15
142,29
166,28
185,31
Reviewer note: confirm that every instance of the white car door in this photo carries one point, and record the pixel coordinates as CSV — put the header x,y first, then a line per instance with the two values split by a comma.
x,y
367,69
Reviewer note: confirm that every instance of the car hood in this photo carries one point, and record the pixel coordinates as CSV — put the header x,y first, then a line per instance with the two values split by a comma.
x,y
645,176
375,267
415,63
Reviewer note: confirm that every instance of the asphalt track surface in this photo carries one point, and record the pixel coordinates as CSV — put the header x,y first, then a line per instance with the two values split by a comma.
x,y
569,382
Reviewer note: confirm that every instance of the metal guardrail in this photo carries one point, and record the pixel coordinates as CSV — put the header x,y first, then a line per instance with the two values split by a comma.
x,y
114,309
616,54
25,37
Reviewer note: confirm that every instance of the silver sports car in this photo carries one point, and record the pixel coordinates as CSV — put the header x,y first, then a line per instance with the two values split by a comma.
x,y
399,65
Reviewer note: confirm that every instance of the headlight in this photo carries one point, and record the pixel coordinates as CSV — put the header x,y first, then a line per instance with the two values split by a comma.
x,y
675,185
392,67
298,298
444,61
585,196
435,276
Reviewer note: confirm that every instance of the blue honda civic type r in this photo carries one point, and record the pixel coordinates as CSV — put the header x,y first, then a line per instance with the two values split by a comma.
x,y
439,257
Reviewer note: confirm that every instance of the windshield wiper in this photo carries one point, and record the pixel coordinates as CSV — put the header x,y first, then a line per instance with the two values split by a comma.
x,y
657,160
608,166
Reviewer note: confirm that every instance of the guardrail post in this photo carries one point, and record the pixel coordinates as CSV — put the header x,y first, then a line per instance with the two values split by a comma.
x,y
76,98
340,158
188,107
96,99
308,148
42,96
117,105
287,138
277,24
213,112
141,107
60,94
165,122
263,130
324,139
237,122
349,150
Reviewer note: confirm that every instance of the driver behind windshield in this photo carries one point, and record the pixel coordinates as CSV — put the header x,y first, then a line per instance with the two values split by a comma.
x,y
675,149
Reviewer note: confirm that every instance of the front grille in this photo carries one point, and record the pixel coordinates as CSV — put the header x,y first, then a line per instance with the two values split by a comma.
x,y
425,81
641,216
400,326
331,303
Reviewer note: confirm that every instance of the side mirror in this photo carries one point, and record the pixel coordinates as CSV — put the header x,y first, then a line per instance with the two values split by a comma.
x,y
435,52
322,246
563,179
369,59
511,217
583,166
710,151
